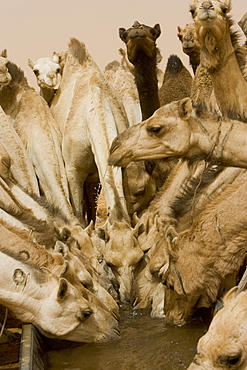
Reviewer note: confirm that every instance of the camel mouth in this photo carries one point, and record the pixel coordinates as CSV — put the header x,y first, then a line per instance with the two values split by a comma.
x,y
119,160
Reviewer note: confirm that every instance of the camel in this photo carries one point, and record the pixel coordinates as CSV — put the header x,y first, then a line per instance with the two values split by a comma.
x,y
55,307
177,81
123,82
5,76
177,129
217,246
47,72
221,55
35,125
21,167
224,343
141,47
190,44
89,125
76,118
202,92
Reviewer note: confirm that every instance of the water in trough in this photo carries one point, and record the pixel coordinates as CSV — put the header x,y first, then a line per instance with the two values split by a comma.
x,y
144,344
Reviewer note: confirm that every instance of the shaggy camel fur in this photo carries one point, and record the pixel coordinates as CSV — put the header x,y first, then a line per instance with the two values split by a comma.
x,y
221,55
47,72
177,129
202,88
177,81
141,47
215,248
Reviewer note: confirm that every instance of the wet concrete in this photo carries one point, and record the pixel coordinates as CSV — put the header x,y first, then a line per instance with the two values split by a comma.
x,y
145,344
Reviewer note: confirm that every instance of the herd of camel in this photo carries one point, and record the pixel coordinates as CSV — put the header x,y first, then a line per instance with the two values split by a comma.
x,y
167,151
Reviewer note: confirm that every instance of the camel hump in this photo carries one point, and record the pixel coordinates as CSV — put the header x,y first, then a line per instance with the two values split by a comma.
x,y
174,64
77,49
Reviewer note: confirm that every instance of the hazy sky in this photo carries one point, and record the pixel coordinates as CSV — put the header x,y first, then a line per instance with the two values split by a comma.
x,y
36,28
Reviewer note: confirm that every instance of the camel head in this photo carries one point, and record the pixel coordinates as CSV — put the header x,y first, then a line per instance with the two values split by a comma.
x,y
223,346
210,15
47,71
140,41
5,76
166,133
123,254
190,44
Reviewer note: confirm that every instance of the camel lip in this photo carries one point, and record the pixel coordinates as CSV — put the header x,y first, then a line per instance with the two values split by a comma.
x,y
119,160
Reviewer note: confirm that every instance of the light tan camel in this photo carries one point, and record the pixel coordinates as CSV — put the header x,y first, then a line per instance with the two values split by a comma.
x,y
90,118
47,72
178,130
190,44
60,308
21,167
224,343
123,82
221,55
35,125
202,92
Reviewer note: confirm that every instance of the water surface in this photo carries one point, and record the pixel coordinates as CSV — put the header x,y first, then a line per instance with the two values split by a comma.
x,y
144,344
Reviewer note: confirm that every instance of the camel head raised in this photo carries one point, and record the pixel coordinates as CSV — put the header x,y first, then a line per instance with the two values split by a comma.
x,y
47,71
210,15
165,134
5,76
140,41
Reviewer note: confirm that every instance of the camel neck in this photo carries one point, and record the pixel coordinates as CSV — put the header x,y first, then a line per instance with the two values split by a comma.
x,y
223,141
147,86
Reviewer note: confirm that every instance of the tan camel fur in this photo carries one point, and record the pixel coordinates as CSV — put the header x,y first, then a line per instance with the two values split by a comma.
x,y
47,72
177,81
35,125
202,88
177,129
221,55
89,125
213,245
141,47
123,82
68,312
190,44
21,167
223,346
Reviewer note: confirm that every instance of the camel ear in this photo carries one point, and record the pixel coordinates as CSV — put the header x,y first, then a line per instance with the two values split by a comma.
x,y
55,57
171,239
157,30
122,34
226,6
185,108
4,53
179,29
62,289
30,63
62,248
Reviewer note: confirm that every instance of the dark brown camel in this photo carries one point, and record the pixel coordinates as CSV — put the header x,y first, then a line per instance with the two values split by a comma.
x,y
140,41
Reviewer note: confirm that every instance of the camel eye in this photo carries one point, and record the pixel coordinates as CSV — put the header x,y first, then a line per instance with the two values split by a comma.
x,y
155,129
228,361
